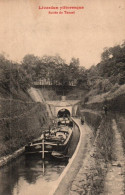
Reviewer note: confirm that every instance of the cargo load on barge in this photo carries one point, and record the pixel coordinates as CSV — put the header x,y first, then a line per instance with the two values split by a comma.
x,y
53,141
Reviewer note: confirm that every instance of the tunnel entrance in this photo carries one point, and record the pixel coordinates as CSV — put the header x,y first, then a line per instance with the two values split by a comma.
x,y
63,113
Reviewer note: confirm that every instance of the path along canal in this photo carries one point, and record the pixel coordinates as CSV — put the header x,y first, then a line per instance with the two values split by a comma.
x,y
30,175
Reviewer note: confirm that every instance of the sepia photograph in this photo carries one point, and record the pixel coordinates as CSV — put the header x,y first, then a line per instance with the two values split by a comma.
x,y
62,97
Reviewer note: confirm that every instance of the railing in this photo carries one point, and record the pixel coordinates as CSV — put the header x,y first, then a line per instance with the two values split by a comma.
x,y
49,83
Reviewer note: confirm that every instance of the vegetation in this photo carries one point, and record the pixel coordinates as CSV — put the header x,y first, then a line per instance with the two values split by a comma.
x,y
120,120
115,101
92,119
53,69
105,140
25,123
109,74
102,153
21,119
102,80
106,86
14,81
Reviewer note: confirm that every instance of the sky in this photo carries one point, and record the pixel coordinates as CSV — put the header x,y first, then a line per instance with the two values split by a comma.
x,y
24,29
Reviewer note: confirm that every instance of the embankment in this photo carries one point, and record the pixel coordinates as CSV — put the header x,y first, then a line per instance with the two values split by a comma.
x,y
115,101
90,178
20,122
93,119
103,154
116,105
82,169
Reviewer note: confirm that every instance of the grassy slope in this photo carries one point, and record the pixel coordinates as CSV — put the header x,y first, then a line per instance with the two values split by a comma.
x,y
115,101
120,120
112,94
103,155
21,120
103,150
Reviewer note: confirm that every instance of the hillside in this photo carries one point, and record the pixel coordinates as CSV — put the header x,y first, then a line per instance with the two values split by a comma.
x,y
21,119
114,99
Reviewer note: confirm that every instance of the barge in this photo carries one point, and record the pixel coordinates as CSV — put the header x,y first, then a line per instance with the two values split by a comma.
x,y
54,141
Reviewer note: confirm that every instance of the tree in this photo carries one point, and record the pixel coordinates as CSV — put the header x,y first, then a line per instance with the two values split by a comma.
x,y
30,60
82,80
112,65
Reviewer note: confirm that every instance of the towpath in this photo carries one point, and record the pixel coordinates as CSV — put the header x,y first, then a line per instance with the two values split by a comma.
x,y
76,162
114,182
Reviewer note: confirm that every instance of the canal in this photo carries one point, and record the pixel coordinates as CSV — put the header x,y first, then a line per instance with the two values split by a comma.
x,y
30,175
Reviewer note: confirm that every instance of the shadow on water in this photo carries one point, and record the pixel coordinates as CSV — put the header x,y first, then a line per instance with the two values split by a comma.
x,y
29,175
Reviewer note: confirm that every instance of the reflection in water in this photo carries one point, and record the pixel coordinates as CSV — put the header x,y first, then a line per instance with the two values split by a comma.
x,y
29,176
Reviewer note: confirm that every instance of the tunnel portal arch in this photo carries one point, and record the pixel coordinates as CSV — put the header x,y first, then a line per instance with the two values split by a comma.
x,y
67,109
63,113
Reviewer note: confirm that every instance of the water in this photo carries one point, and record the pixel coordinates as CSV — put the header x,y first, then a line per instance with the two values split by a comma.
x,y
30,176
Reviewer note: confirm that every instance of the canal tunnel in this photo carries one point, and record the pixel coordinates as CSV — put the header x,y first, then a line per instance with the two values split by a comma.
x,y
63,113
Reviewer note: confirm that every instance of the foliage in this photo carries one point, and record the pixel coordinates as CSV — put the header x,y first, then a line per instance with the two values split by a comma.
x,y
109,72
12,76
112,65
55,70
